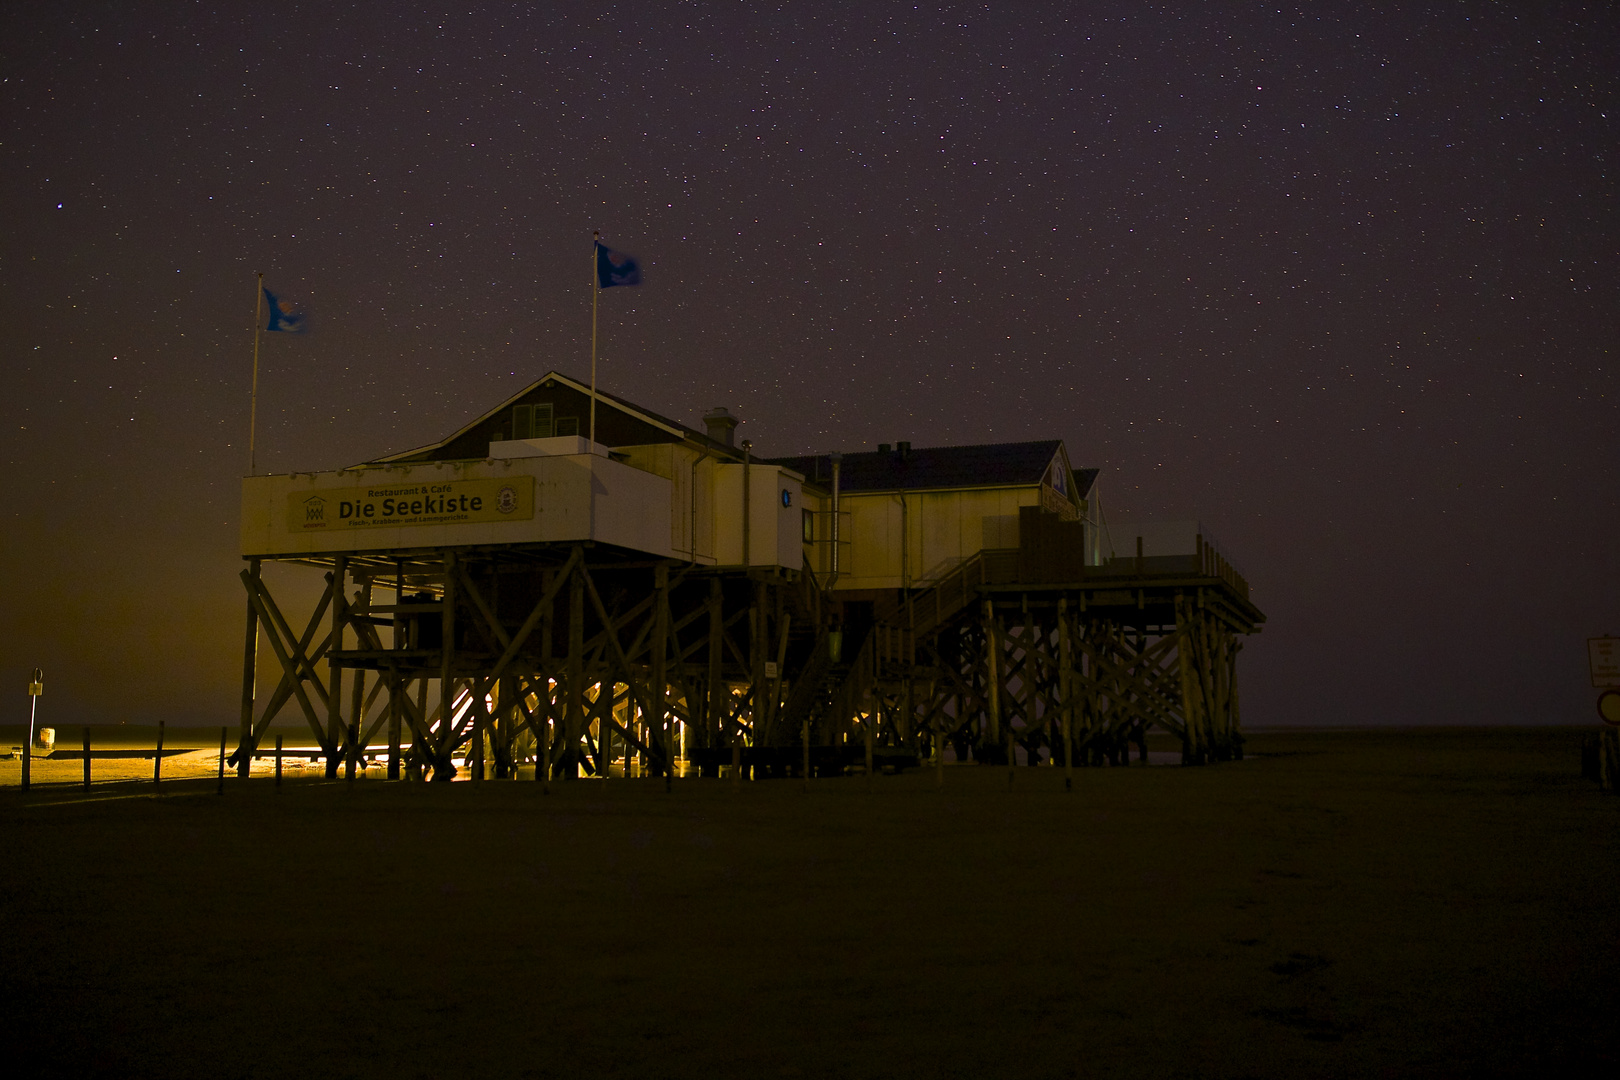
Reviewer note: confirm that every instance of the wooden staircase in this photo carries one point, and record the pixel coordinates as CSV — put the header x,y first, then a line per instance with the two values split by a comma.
x,y
942,601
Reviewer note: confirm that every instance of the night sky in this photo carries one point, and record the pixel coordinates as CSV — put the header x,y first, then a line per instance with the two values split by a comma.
x,y
1339,281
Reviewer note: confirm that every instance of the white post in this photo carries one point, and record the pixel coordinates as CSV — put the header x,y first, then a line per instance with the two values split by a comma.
x,y
36,687
596,291
253,413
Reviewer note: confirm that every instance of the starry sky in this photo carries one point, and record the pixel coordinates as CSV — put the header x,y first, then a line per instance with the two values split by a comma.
x,y
1339,281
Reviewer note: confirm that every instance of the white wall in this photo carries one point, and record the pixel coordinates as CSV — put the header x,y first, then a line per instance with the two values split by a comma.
x,y
774,528
943,528
691,474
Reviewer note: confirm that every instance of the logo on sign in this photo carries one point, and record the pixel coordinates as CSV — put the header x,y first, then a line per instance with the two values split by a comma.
x,y
315,509
506,500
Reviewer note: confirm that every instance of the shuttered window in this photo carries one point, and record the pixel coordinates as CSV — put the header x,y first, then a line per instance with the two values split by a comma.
x,y
531,422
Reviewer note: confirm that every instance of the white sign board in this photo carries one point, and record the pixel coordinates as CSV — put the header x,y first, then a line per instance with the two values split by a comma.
x,y
1604,654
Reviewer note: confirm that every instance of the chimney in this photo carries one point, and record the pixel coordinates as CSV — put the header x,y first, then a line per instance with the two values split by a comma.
x,y
720,425
883,448
902,450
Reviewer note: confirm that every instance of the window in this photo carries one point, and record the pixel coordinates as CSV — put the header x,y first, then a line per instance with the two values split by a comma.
x,y
531,422
809,520
567,425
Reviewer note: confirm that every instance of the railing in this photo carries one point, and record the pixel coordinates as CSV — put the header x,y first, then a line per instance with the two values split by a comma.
x,y
1214,564
949,595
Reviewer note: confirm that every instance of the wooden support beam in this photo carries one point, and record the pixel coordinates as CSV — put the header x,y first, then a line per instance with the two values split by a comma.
x,y
1066,694
367,731
992,668
662,725
356,716
292,665
641,692
574,710
336,736
397,687
283,692
271,618
250,671
1147,705
422,742
443,770
716,687
773,694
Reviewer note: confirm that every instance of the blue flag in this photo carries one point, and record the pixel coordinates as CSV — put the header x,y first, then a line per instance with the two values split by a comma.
x,y
615,268
287,322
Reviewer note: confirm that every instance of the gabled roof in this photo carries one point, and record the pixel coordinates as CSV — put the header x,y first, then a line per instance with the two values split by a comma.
x,y
990,465
669,429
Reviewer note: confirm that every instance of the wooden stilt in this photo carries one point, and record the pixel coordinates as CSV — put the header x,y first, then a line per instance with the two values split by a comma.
x,y
574,717
478,703
992,676
443,768
420,745
352,739
398,686
759,637
505,720
546,735
297,662
716,680
662,723
334,692
250,657
357,698
1066,692
546,695
939,757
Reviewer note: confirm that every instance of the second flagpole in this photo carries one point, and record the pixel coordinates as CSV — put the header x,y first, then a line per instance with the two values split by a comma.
x,y
253,412
596,291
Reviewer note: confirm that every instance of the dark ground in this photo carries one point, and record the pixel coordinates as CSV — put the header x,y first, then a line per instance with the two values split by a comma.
x,y
1430,903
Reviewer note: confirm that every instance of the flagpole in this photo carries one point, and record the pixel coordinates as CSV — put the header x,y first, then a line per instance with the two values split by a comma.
x,y
596,291
253,412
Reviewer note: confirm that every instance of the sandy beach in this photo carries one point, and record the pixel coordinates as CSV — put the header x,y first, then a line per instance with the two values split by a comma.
x,y
1431,903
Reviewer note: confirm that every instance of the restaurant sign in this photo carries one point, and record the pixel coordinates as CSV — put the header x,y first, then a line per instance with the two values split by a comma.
x,y
377,506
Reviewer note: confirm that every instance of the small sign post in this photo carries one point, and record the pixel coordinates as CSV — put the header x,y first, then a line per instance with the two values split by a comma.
x,y
36,687
1603,656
